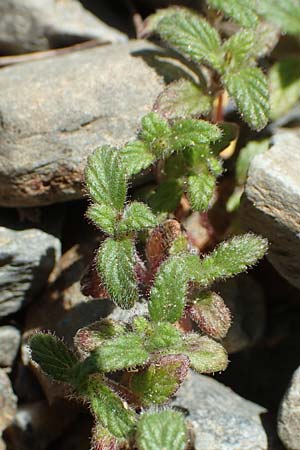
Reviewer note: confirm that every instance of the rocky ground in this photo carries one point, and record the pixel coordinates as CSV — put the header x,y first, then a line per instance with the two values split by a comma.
x,y
53,112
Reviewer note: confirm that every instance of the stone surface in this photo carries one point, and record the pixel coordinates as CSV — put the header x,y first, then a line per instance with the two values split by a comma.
x,y
272,204
54,112
10,340
220,418
26,259
8,402
289,415
32,25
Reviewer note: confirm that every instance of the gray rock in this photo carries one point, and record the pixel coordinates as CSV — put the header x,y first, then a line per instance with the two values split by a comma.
x,y
26,259
220,418
272,205
55,111
289,415
8,402
10,338
32,25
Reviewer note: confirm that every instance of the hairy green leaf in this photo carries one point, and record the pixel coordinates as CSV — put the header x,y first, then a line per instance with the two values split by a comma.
x,y
245,157
285,14
89,338
191,133
192,36
200,190
230,132
167,196
168,293
249,88
136,156
105,217
183,98
241,11
109,409
239,49
231,257
102,439
162,430
162,336
153,127
116,266
211,314
53,356
105,177
284,80
205,354
122,352
215,165
137,216
160,380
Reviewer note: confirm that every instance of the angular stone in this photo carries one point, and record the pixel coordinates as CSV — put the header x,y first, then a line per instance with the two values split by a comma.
x,y
8,402
54,112
272,204
10,340
220,418
32,25
288,424
26,258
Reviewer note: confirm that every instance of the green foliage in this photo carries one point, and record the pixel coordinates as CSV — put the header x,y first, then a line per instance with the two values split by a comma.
x,y
122,352
89,338
241,11
136,156
116,263
102,439
284,80
249,88
160,380
109,409
137,217
183,98
167,196
211,314
105,217
53,356
231,258
284,14
239,48
163,335
162,430
205,354
200,190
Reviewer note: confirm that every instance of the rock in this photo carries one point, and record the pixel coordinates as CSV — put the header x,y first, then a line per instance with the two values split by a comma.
x,y
220,418
8,402
245,299
55,111
37,424
31,25
288,425
272,204
10,340
26,258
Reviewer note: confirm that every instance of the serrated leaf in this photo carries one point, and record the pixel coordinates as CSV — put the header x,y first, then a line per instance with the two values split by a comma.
x,y
284,81
162,430
249,88
160,380
266,37
245,157
105,177
122,352
191,133
151,22
105,217
285,14
136,156
205,354
137,216
109,409
239,49
116,266
183,98
192,36
231,257
53,356
167,196
168,293
89,338
241,11
153,127
211,314
200,190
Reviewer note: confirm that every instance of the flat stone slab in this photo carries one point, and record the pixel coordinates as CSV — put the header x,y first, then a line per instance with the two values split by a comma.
x,y
272,203
56,111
